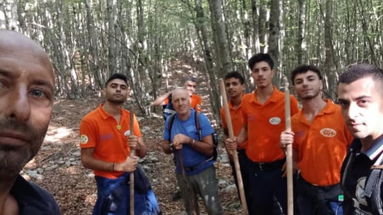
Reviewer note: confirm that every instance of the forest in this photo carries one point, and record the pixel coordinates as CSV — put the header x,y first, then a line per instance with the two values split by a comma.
x,y
90,39
157,42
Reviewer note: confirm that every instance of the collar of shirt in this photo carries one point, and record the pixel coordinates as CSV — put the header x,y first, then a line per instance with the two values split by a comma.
x,y
33,199
106,115
232,107
275,96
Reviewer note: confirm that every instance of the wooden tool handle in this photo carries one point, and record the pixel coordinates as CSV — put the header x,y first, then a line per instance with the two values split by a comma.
x,y
131,175
289,152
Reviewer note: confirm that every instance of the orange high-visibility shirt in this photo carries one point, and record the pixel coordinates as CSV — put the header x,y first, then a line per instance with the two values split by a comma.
x,y
236,120
321,145
101,131
265,122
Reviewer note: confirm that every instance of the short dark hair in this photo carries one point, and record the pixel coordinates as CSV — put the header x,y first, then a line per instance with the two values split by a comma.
x,y
190,78
303,69
259,58
117,76
359,71
235,74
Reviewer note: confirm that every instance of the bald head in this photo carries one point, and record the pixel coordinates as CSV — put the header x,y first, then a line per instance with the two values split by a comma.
x,y
26,100
11,41
181,101
179,91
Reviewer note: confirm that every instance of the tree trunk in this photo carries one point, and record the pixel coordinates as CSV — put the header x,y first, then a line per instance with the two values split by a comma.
x,y
274,30
200,25
329,65
255,24
301,18
220,38
110,13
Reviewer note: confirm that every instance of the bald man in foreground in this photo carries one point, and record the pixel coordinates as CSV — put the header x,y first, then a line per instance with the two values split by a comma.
x,y
26,100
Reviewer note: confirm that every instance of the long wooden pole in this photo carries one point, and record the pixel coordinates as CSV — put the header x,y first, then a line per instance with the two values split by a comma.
x,y
131,175
289,153
234,152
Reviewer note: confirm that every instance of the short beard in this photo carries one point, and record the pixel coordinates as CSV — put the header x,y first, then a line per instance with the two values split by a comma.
x,y
311,96
13,159
116,101
9,167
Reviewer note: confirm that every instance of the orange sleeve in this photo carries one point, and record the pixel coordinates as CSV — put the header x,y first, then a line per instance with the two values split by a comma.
x,y
166,101
198,103
88,133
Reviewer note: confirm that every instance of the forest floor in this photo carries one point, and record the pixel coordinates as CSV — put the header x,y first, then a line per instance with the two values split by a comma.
x,y
58,168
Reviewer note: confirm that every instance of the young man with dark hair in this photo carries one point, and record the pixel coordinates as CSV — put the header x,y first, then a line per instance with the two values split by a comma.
x,y
116,76
360,96
264,120
26,101
193,148
234,84
304,69
106,142
320,141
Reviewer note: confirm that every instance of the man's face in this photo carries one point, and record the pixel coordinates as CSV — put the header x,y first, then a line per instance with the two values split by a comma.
x,y
262,74
191,87
362,107
181,101
26,100
307,85
234,88
116,91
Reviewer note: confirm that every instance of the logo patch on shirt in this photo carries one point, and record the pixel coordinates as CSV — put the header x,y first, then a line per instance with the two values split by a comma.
x,y
275,120
127,133
83,139
327,132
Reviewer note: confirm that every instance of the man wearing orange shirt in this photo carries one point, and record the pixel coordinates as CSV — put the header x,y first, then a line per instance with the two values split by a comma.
x,y
234,84
264,120
320,140
106,142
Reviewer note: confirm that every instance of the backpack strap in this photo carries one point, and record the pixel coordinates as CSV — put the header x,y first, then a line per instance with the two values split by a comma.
x,y
373,186
353,150
197,124
170,125
214,135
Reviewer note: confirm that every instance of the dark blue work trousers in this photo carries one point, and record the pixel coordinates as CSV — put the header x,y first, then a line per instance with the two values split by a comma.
x,y
266,185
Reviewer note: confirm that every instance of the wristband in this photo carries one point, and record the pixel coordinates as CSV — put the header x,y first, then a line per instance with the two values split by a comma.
x,y
113,167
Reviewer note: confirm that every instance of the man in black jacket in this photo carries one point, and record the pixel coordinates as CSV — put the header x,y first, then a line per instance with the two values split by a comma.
x,y
360,95
26,100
